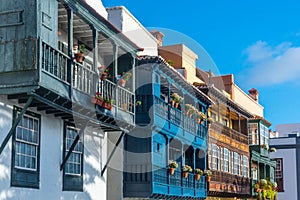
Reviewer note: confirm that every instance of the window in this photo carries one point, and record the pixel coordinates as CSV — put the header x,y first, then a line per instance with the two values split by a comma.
x,y
214,116
254,173
25,151
245,166
226,160
73,179
225,122
264,134
236,163
253,133
215,164
279,174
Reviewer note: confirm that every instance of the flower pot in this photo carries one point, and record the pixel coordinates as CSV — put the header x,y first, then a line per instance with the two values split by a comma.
x,y
107,105
103,76
79,57
197,177
124,106
97,101
122,82
208,178
171,171
185,174
172,103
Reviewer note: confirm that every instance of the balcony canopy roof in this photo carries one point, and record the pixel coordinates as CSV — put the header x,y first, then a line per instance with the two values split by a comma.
x,y
170,71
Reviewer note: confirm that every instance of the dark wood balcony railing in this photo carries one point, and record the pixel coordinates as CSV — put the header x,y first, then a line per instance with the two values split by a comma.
x,y
229,183
178,118
219,128
84,78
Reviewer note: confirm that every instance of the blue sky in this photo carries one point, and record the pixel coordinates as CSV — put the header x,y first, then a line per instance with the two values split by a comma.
x,y
257,41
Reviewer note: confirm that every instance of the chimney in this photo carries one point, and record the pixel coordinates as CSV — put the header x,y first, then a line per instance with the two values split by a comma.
x,y
253,93
159,36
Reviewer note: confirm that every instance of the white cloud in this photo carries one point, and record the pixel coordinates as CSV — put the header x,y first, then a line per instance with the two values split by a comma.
x,y
271,65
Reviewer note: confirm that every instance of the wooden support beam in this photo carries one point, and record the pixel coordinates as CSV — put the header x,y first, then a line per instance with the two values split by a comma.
x,y
112,153
73,146
15,124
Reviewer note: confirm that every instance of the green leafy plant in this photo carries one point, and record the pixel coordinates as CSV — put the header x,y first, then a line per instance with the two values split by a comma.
x,y
107,100
138,103
81,48
173,164
126,76
176,97
207,172
198,171
272,149
187,168
171,62
201,115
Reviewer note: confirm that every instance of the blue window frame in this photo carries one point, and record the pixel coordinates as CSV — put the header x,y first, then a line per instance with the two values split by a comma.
x,y
26,151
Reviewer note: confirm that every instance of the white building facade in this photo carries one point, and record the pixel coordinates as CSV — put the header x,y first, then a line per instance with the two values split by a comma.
x,y
287,155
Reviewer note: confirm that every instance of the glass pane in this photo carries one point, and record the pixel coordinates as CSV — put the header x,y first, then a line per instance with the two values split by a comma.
x,y
27,162
19,133
22,148
30,123
36,125
22,161
16,160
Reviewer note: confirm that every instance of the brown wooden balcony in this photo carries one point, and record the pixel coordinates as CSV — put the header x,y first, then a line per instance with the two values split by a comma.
x,y
223,184
231,133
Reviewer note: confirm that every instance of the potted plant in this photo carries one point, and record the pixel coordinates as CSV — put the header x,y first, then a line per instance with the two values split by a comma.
x,y
185,171
138,103
97,99
172,166
198,173
265,146
207,173
107,104
272,149
103,72
201,117
79,56
126,76
190,110
176,99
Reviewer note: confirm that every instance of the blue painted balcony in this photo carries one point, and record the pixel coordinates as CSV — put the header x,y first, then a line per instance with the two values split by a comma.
x,y
176,185
177,122
165,131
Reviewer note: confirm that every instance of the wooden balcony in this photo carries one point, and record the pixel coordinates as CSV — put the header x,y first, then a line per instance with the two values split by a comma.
x,y
231,133
62,87
223,184
175,118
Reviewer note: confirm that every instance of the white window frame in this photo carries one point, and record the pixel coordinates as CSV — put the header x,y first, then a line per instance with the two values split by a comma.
x,y
236,163
22,142
226,160
79,153
245,166
253,134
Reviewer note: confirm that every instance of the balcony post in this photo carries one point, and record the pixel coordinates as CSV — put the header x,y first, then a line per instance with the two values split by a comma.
x,y
133,84
95,81
70,49
168,158
219,111
239,123
115,66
